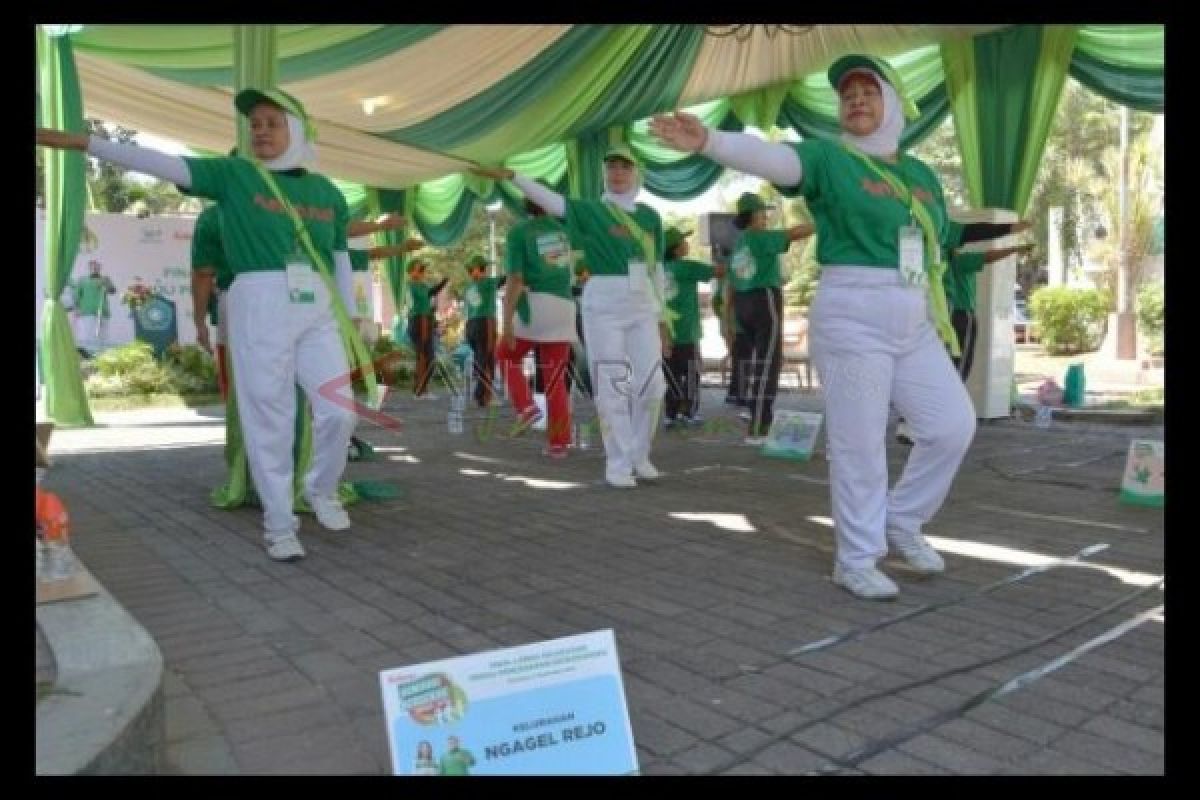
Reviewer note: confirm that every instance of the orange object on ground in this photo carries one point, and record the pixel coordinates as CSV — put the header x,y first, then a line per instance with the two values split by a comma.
x,y
51,515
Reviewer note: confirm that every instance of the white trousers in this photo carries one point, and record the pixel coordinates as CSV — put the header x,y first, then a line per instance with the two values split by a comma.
x,y
222,317
91,332
874,345
624,357
275,345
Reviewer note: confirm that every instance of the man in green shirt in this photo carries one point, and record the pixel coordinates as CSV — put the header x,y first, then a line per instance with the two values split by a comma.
x,y
456,760
422,326
757,284
480,299
91,308
682,367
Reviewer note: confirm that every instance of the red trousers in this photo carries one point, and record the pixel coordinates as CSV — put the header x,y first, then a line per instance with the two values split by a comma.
x,y
554,363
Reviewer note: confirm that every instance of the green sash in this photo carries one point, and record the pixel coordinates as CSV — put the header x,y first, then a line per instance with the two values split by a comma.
x,y
646,241
937,266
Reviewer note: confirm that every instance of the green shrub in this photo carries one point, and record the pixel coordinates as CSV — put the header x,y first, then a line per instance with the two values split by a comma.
x,y
1069,320
131,369
1151,310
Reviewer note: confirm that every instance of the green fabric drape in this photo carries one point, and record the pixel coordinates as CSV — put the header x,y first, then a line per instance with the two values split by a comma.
x,y
958,58
340,51
443,209
255,64
1006,114
60,106
651,81
509,97
585,164
1123,63
1058,42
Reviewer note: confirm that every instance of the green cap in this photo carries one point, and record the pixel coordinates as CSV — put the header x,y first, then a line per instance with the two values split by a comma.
x,y
247,99
621,151
749,202
476,260
881,68
673,236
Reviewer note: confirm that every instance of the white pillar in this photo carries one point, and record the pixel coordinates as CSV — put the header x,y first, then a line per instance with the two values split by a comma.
x,y
990,382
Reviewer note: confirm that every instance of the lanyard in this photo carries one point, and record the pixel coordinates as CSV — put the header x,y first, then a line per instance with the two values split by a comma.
x,y
646,242
356,349
937,266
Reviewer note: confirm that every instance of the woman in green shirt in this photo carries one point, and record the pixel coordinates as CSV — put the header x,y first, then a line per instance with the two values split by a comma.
x,y
624,319
757,280
683,367
282,319
879,323
480,297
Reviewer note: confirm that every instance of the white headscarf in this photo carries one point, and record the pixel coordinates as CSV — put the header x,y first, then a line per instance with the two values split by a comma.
x,y
884,140
625,200
299,151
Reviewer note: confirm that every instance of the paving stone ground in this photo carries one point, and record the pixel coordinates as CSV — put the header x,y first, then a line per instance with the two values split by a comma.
x,y
708,577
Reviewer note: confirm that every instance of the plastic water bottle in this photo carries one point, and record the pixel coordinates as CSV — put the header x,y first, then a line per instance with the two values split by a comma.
x,y
1045,414
581,435
454,421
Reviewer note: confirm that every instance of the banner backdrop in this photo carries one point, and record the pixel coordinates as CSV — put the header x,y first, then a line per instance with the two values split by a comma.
x,y
155,251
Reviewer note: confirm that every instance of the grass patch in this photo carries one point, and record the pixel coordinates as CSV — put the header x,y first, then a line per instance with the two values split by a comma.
x,y
1142,400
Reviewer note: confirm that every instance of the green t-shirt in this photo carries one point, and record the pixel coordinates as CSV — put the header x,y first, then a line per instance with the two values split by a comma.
x,y
360,261
959,280
419,297
682,276
755,260
607,245
539,250
91,296
481,298
256,231
457,762
856,215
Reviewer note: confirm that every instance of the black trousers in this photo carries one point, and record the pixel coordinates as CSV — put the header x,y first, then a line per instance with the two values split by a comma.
x,y
760,313
481,336
965,326
682,371
739,357
421,332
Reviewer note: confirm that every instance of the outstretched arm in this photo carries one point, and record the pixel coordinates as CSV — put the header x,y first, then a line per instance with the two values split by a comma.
x,y
548,199
775,162
139,159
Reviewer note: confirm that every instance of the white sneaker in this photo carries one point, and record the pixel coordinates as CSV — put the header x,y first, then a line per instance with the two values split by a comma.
x,y
866,582
619,481
745,416
755,441
904,434
285,547
919,554
329,513
646,470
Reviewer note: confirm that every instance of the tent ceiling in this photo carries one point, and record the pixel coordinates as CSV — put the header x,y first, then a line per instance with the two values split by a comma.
x,y
413,76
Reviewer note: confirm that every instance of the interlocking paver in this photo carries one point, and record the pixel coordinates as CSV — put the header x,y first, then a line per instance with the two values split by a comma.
x,y
273,668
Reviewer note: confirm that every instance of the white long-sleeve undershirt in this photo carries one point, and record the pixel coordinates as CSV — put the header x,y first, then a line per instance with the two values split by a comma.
x,y
551,201
772,161
142,159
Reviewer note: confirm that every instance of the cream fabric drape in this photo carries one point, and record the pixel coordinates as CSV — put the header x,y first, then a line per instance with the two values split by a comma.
x,y
204,118
728,66
426,78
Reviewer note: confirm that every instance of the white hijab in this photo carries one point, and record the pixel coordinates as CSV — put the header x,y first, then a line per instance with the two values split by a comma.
x,y
299,151
884,140
625,200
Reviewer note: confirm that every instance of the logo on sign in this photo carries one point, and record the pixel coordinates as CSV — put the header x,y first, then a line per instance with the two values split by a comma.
x,y
155,316
433,699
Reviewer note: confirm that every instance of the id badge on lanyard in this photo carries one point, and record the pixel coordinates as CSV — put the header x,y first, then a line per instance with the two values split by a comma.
x,y
911,247
639,277
301,280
